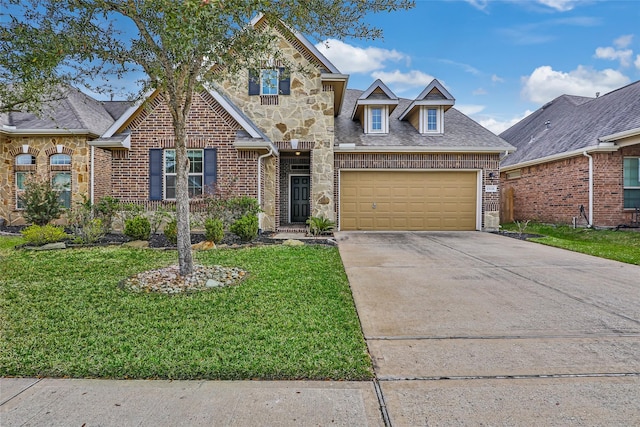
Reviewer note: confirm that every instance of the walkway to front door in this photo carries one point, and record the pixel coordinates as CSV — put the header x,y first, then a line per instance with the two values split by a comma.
x,y
300,188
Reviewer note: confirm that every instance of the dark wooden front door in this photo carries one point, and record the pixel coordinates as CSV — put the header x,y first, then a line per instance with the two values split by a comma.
x,y
300,187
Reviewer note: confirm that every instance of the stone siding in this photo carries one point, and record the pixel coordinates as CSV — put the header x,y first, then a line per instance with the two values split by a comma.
x,y
42,147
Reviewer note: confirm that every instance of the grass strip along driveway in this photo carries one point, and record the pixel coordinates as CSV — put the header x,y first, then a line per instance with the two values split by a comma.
x,y
621,245
63,315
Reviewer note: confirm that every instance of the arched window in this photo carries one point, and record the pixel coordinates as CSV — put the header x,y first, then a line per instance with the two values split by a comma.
x,y
25,166
61,177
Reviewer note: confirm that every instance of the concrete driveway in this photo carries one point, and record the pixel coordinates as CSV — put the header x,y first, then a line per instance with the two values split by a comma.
x,y
473,328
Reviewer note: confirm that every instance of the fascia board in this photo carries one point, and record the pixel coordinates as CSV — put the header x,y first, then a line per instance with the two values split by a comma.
x,y
414,149
620,135
125,143
127,115
561,156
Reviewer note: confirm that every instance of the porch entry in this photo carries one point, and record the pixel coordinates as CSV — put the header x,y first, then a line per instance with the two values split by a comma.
x,y
299,204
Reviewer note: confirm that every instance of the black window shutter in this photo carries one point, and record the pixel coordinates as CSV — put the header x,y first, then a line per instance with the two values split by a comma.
x,y
210,169
155,174
284,85
254,82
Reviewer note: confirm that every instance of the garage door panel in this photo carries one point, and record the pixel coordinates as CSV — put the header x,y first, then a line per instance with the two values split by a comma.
x,y
403,200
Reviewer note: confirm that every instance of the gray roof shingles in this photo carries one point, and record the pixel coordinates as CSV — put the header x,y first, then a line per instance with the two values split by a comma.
x,y
574,123
74,111
459,131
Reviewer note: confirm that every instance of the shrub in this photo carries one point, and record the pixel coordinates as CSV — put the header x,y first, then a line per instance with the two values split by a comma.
x,y
319,225
42,234
137,228
246,227
106,209
171,231
214,230
41,202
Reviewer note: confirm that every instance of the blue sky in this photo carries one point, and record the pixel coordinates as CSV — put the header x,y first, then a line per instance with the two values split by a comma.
x,y
501,60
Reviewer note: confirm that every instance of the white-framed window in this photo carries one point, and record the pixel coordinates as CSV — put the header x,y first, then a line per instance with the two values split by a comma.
x,y
631,182
60,165
27,165
377,120
196,173
269,82
431,120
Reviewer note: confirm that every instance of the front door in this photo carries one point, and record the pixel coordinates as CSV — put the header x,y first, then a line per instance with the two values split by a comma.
x,y
300,188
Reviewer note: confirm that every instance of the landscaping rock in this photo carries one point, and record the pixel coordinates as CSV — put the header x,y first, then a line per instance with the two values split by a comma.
x,y
50,246
292,242
137,244
203,246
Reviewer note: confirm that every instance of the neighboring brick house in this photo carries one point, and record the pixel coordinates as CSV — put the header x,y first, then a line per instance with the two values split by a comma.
x,y
576,157
304,145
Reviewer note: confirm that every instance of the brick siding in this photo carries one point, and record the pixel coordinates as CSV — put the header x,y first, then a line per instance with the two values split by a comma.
x,y
553,192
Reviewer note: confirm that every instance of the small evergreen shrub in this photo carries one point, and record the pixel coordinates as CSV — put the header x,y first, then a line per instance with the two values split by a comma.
x,y
41,202
137,228
107,209
39,235
319,225
171,231
214,230
246,227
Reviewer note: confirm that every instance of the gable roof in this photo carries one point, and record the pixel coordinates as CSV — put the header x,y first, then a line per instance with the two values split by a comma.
x,y
377,94
462,134
570,125
74,113
434,94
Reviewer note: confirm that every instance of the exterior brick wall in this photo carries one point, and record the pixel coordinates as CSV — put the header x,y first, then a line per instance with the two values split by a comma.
x,y
553,192
487,163
101,173
208,126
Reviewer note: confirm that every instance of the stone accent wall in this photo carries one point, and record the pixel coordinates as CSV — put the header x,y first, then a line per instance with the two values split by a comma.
x,y
209,125
306,114
42,147
487,163
553,192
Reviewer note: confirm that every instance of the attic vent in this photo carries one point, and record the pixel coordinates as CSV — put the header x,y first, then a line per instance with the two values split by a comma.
x,y
547,124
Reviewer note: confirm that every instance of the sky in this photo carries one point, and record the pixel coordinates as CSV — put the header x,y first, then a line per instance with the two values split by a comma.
x,y
500,59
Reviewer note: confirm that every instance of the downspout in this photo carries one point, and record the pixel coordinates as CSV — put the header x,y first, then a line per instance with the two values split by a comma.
x,y
92,176
261,214
590,187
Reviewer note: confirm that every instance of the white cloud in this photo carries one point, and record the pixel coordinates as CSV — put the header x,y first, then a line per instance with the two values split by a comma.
x,y
351,59
637,62
497,79
545,84
470,109
479,91
624,56
559,5
623,41
498,126
403,81
478,4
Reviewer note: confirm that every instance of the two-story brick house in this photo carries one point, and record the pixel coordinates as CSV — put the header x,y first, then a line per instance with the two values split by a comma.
x,y
304,145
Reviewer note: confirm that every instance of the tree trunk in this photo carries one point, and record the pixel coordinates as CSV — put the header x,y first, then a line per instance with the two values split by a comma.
x,y
185,257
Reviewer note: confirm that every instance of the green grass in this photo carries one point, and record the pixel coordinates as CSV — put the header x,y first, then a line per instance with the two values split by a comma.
x,y
619,245
63,315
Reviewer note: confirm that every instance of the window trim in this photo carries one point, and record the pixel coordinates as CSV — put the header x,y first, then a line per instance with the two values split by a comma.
x,y
384,119
625,188
201,174
424,120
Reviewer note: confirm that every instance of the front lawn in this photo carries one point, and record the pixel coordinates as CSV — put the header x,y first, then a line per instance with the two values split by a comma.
x,y
63,315
622,245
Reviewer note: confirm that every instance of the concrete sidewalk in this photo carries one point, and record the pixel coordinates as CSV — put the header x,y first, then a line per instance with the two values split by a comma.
x,y
85,402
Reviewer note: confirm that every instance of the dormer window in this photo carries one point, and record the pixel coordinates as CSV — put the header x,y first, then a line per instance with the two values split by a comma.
x,y
431,120
426,112
377,120
374,107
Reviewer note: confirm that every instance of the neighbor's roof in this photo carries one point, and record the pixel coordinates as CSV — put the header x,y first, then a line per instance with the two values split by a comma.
x,y
75,112
572,123
460,132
